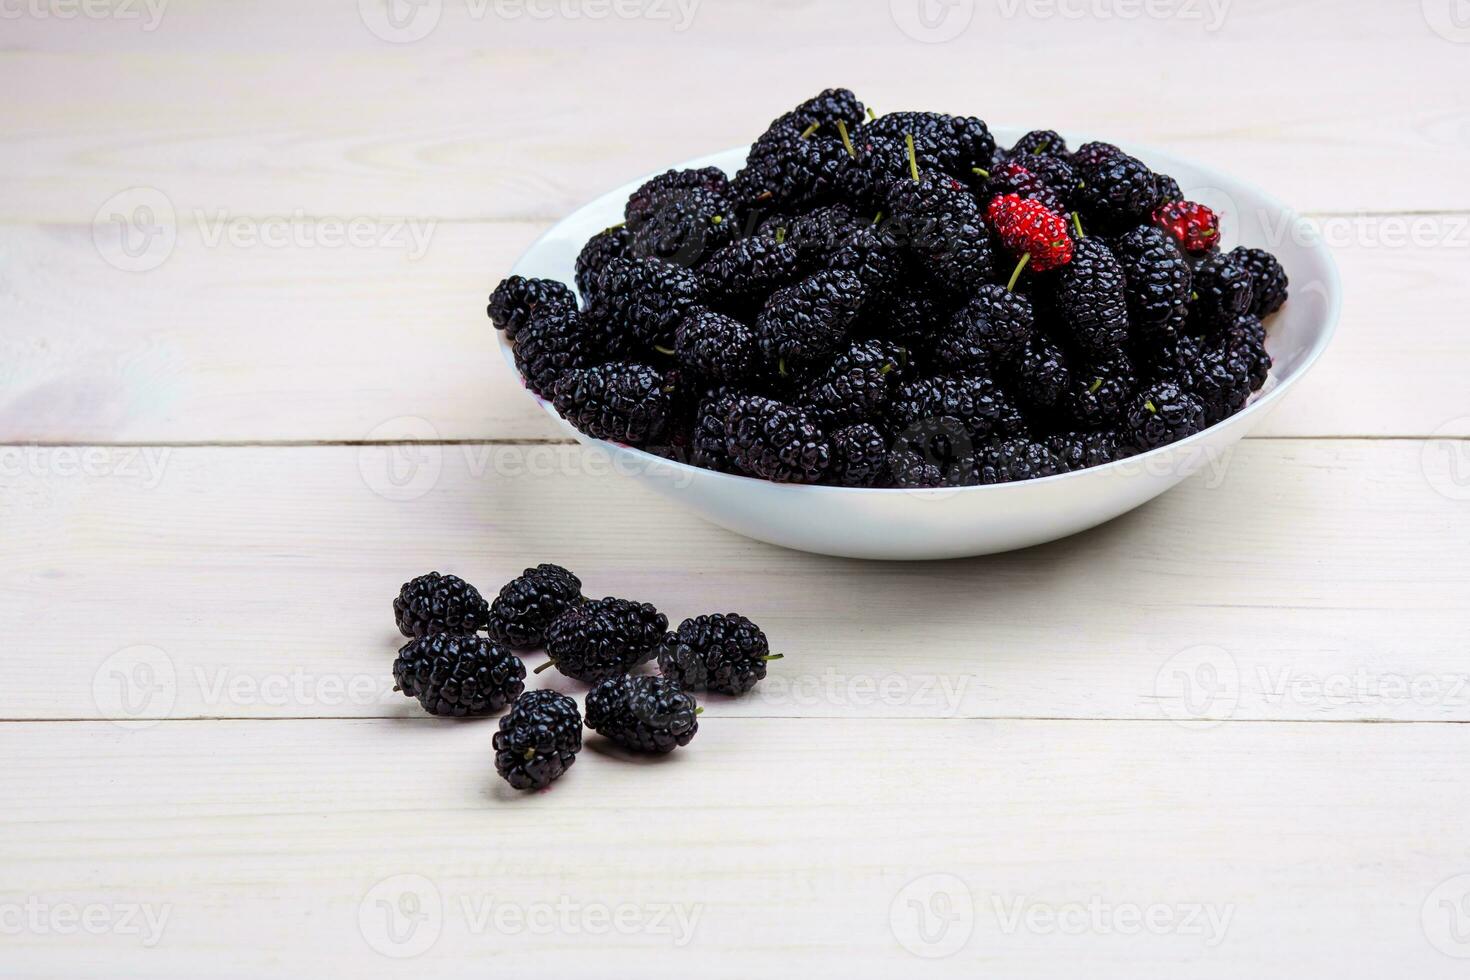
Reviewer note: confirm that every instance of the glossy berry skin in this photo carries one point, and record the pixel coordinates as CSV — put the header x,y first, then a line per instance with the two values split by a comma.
x,y
644,714
600,249
1091,299
621,401
1083,450
1027,228
1158,276
1195,227
683,229
1040,375
1223,292
931,453
725,653
459,675
1015,178
806,322
993,326
774,441
954,145
1116,190
1101,392
750,268
672,186
1011,460
859,455
538,740
1163,413
435,603
646,299
554,342
517,299
602,638
1039,143
854,389
938,221
1268,279
715,347
974,400
790,168
528,604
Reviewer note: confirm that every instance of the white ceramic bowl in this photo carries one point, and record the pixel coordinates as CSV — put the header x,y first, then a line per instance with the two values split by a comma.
x,y
958,522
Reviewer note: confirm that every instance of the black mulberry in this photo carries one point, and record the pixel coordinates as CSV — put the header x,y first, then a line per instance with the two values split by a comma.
x,y
517,299
1091,299
538,740
602,638
1268,279
810,320
621,401
775,442
647,298
435,603
725,653
1157,274
645,714
528,603
459,675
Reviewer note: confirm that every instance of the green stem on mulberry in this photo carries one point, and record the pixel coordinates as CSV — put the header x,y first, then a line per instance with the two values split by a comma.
x,y
1152,408
913,156
699,711
878,218
1077,223
981,171
664,350
780,235
1016,276
546,666
811,129
774,656
846,139
781,366
1095,385
871,114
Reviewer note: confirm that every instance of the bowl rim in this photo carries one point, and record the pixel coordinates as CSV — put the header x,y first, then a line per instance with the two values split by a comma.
x,y
1331,288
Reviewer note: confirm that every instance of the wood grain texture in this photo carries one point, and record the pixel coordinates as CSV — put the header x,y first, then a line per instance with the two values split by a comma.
x,y
259,109
783,847
244,340
206,770
259,581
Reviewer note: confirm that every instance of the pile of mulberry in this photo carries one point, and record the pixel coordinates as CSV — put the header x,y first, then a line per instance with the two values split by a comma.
x,y
895,301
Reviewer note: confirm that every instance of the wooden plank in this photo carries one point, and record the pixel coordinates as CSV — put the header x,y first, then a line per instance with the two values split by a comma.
x,y
262,109
256,582
776,847
241,340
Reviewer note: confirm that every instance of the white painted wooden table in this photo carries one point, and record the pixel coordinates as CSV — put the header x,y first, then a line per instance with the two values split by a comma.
x,y
1222,737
